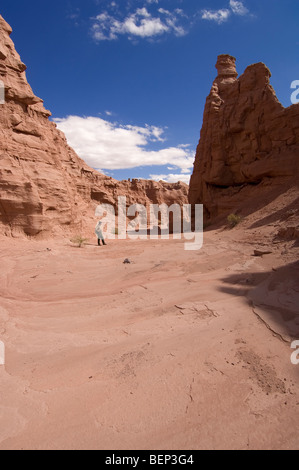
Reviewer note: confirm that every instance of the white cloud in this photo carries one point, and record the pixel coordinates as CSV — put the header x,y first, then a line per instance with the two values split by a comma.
x,y
152,21
172,178
112,146
219,16
222,15
142,12
140,24
144,28
238,8
171,20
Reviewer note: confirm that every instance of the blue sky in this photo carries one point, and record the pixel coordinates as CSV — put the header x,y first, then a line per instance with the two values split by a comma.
x,y
127,80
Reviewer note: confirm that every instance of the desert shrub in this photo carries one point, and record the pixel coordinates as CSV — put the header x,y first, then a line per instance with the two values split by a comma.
x,y
233,220
79,241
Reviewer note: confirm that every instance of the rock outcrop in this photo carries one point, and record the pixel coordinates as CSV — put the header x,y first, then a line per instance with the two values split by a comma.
x,y
45,188
248,138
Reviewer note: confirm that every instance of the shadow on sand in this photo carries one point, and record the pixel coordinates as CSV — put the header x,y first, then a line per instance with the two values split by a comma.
x,y
273,295
280,215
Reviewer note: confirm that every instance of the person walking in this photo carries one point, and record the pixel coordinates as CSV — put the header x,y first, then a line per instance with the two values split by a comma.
x,y
99,234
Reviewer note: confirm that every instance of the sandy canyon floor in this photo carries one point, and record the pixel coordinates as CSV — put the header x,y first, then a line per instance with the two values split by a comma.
x,y
177,350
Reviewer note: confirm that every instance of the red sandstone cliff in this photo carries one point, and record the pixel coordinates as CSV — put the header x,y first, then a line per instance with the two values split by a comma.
x,y
45,188
249,144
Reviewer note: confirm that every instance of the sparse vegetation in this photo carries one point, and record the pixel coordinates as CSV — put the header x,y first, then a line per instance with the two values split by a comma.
x,y
234,220
79,240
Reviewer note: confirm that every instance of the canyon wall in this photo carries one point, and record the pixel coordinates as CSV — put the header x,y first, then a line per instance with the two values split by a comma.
x,y
45,188
249,142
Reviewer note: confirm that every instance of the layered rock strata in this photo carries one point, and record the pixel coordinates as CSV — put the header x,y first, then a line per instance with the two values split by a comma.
x,y
247,139
45,188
